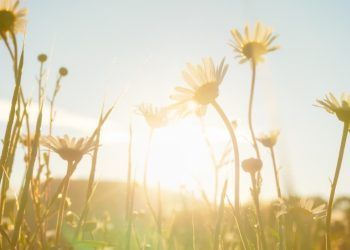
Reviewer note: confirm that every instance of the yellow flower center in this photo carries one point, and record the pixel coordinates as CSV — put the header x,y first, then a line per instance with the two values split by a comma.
x,y
206,93
7,20
254,50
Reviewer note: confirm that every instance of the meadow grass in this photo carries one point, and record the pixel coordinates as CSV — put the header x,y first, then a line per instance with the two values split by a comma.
x,y
44,217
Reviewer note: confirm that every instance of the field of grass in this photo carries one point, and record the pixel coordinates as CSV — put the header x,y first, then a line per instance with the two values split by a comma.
x,y
65,213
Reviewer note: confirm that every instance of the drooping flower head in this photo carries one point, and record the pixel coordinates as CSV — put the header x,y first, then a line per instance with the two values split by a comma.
x,y
341,107
27,141
303,212
252,165
269,140
203,87
70,149
12,18
253,46
155,117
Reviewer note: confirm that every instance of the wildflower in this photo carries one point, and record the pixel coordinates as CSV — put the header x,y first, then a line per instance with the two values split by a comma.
x,y
252,165
339,107
12,19
42,58
25,141
155,117
63,71
69,149
253,47
269,140
304,211
203,81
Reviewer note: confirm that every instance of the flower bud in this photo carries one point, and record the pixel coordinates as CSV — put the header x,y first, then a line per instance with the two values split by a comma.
x,y
252,165
63,71
42,58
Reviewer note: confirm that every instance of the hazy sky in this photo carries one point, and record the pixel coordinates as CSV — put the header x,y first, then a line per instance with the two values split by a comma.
x,y
140,47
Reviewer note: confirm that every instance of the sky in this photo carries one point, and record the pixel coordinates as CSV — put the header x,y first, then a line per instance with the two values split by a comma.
x,y
136,50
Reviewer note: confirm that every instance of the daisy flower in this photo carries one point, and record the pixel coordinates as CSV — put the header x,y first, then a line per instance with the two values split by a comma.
x,y
203,87
253,46
154,116
70,149
339,107
12,18
304,211
269,140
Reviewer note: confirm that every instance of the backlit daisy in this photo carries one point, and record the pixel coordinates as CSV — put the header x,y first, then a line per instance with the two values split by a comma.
x,y
253,46
269,140
155,117
12,18
203,87
69,149
341,107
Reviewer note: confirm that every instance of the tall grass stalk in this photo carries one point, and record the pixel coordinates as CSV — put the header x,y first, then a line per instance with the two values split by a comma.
x,y
220,218
255,194
279,195
90,187
60,217
17,68
128,213
159,218
334,185
9,162
145,179
25,191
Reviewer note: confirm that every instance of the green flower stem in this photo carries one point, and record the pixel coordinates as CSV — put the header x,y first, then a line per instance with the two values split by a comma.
x,y
255,195
334,184
279,195
235,149
250,110
59,224
278,187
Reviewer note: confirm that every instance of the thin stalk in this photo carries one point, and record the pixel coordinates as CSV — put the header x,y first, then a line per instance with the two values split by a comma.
x,y
279,195
220,217
250,111
128,213
26,186
62,204
278,187
334,185
214,162
90,188
159,217
255,194
242,235
235,150
17,68
145,179
130,218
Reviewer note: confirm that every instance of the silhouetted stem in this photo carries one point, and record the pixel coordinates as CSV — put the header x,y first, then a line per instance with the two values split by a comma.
x,y
279,195
63,202
250,110
278,187
145,185
255,194
235,150
334,184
